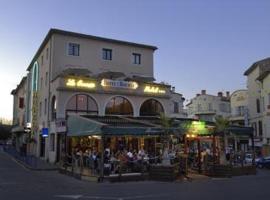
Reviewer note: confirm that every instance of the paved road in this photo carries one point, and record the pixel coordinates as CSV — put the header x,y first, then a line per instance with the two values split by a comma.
x,y
18,183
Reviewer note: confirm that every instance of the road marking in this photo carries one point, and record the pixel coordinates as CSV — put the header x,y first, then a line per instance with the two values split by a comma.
x,y
9,183
69,196
109,198
20,164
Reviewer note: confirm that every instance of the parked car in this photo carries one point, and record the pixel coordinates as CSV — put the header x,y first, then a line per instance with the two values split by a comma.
x,y
263,162
249,157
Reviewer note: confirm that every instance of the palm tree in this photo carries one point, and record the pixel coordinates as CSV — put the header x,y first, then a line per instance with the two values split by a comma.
x,y
221,125
166,124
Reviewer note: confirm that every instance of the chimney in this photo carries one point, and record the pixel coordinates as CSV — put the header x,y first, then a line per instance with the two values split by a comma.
x,y
228,94
198,95
203,92
220,94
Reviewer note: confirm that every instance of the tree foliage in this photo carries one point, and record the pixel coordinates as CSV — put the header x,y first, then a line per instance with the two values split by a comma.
x,y
221,124
5,132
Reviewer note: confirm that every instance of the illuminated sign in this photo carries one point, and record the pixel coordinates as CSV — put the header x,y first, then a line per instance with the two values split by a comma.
x,y
34,112
154,89
119,84
79,83
198,128
45,132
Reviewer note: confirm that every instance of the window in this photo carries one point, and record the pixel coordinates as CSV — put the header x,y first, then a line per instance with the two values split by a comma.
x,y
47,53
263,104
240,111
107,54
119,106
260,128
21,102
151,107
42,60
199,107
258,105
82,103
41,83
73,49
52,142
175,107
53,108
40,108
46,79
254,125
210,106
224,107
45,106
136,58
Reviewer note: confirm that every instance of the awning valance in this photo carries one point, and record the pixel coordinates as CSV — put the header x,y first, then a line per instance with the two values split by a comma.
x,y
80,126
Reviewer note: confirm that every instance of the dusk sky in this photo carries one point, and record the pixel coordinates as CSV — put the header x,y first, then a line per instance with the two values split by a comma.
x,y
203,44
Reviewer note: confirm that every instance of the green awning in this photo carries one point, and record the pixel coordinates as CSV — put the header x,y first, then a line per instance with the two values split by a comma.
x,y
131,131
80,126
239,131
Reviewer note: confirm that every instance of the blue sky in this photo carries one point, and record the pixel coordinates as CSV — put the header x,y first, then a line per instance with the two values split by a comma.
x,y
203,44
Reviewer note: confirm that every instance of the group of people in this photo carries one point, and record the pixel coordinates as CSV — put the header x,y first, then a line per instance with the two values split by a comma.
x,y
114,161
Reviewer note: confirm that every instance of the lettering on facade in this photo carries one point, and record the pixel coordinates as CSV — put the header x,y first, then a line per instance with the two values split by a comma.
x,y
35,112
240,98
119,84
79,83
154,90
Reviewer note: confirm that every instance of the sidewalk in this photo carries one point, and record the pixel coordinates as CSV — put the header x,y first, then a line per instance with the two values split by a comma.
x,y
29,161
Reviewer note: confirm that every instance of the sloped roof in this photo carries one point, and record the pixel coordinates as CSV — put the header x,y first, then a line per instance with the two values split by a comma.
x,y
264,64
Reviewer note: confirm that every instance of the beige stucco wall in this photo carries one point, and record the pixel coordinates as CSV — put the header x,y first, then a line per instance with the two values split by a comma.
x,y
266,113
91,57
254,90
239,98
19,113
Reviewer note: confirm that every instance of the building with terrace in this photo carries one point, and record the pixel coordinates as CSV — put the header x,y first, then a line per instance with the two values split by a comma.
x,y
81,85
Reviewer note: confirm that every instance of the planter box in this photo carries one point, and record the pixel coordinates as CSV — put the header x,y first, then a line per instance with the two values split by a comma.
x,y
229,171
163,173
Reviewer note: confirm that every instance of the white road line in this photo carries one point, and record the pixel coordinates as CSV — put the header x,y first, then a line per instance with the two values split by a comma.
x,y
69,196
20,164
109,198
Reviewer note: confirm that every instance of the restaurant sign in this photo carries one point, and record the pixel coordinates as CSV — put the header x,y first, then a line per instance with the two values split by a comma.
x,y
154,90
80,83
119,84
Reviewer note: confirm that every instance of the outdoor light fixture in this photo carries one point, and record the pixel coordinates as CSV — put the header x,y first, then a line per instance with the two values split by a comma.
x,y
96,137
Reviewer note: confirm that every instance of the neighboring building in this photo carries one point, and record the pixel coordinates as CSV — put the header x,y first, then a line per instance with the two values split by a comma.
x,y
239,108
74,73
258,101
19,113
206,107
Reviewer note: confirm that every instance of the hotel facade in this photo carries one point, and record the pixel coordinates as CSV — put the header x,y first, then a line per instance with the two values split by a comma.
x,y
74,79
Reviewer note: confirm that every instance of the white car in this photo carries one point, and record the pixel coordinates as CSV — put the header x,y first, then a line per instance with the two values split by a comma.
x,y
249,157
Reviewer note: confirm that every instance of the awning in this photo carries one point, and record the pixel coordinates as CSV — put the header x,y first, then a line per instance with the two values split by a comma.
x,y
239,131
17,129
80,126
131,131
87,125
